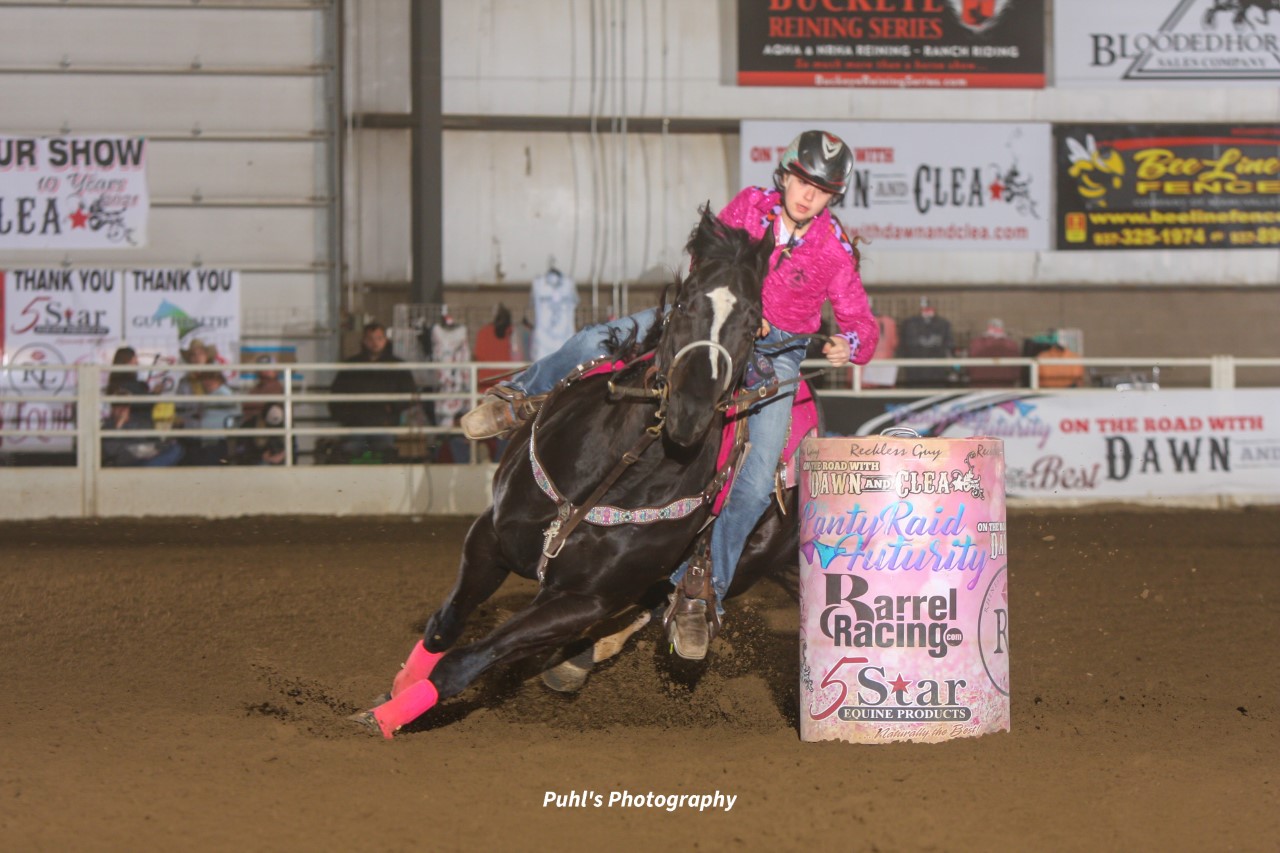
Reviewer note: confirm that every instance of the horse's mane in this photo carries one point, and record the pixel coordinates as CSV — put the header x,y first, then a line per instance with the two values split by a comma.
x,y
711,243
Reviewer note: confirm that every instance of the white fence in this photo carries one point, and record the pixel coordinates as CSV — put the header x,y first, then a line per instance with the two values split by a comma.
x,y
41,482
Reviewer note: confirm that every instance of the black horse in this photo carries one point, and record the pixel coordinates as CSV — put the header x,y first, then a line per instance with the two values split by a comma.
x,y
645,438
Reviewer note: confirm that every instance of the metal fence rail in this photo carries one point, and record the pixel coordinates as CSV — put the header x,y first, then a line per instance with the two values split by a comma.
x,y
22,386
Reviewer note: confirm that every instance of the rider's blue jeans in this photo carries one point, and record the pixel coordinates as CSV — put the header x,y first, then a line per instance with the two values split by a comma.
x,y
767,421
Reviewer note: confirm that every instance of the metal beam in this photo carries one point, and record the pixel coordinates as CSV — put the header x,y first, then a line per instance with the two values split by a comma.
x,y
427,241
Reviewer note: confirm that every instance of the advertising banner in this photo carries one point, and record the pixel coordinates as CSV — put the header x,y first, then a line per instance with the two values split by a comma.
x,y
1167,42
73,192
53,317
1105,444
922,185
891,43
170,311
1168,186
81,316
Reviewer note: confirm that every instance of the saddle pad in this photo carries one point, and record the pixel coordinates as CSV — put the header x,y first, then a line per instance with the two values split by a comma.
x,y
804,422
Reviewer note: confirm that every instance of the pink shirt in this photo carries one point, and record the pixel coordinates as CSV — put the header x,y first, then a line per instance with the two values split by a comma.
x,y
820,268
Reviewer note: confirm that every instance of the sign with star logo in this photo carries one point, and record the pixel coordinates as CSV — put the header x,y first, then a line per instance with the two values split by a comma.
x,y
73,192
929,185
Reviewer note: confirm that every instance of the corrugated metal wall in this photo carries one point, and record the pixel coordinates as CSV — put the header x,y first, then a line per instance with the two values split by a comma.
x,y
238,102
568,60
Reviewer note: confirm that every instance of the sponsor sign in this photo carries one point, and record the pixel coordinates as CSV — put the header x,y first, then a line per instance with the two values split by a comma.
x,y
1167,42
1106,444
73,192
891,43
1162,186
81,316
904,619
922,185
53,317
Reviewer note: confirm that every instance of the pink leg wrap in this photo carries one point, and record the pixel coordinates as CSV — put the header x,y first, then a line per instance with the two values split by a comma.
x,y
413,701
419,665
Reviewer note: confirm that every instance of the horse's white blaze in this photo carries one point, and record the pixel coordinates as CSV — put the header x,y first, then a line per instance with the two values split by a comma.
x,y
722,302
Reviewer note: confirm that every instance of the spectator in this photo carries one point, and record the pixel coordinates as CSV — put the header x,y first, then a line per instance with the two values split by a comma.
x,y
136,452
264,449
189,384
123,382
212,450
373,447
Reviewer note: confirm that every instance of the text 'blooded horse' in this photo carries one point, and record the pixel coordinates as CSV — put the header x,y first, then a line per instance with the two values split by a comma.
x,y
603,494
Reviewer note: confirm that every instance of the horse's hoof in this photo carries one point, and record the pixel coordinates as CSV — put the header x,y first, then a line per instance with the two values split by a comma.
x,y
570,675
367,721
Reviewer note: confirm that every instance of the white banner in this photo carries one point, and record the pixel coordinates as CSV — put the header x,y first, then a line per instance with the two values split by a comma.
x,y
73,192
54,317
169,310
1116,444
65,317
919,185
1163,42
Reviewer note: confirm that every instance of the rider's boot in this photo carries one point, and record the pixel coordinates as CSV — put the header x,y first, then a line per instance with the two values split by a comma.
x,y
691,619
502,412
416,668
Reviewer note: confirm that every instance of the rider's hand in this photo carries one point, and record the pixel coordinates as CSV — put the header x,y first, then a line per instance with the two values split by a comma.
x,y
836,350
765,328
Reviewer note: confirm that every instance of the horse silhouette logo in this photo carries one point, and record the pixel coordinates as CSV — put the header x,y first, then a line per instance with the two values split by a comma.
x,y
1240,11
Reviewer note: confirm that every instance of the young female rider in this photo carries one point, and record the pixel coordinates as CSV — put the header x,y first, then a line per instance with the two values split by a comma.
x,y
813,262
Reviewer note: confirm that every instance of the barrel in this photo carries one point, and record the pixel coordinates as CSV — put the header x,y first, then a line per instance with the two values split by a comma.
x,y
904,614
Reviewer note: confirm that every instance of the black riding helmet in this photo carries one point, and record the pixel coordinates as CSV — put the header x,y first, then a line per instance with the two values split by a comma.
x,y
820,158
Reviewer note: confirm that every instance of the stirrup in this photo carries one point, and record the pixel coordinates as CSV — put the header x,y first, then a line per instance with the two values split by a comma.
x,y
691,619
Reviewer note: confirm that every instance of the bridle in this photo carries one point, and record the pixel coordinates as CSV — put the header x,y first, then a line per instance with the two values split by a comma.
x,y
656,385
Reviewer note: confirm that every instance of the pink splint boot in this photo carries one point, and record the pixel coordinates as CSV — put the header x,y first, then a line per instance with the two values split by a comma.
x,y
419,665
414,701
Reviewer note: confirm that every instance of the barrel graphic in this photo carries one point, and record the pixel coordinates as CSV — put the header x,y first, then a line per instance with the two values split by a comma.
x,y
904,613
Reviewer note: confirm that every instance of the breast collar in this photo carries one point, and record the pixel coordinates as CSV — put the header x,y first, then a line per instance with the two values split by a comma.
x,y
568,516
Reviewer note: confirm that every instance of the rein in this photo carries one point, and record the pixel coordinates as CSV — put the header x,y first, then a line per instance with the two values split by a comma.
x,y
745,398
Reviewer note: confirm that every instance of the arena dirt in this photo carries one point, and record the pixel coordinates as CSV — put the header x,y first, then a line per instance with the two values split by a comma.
x,y
182,685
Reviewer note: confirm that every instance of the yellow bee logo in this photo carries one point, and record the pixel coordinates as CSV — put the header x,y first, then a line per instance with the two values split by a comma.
x,y
1091,168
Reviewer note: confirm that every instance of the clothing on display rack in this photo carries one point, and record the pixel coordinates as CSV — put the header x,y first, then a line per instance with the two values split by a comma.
x,y
498,340
1054,374
555,298
450,343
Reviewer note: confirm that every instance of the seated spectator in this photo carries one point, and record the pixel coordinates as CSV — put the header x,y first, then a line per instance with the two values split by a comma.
x,y
372,447
189,383
136,452
263,449
994,343
124,382
212,450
